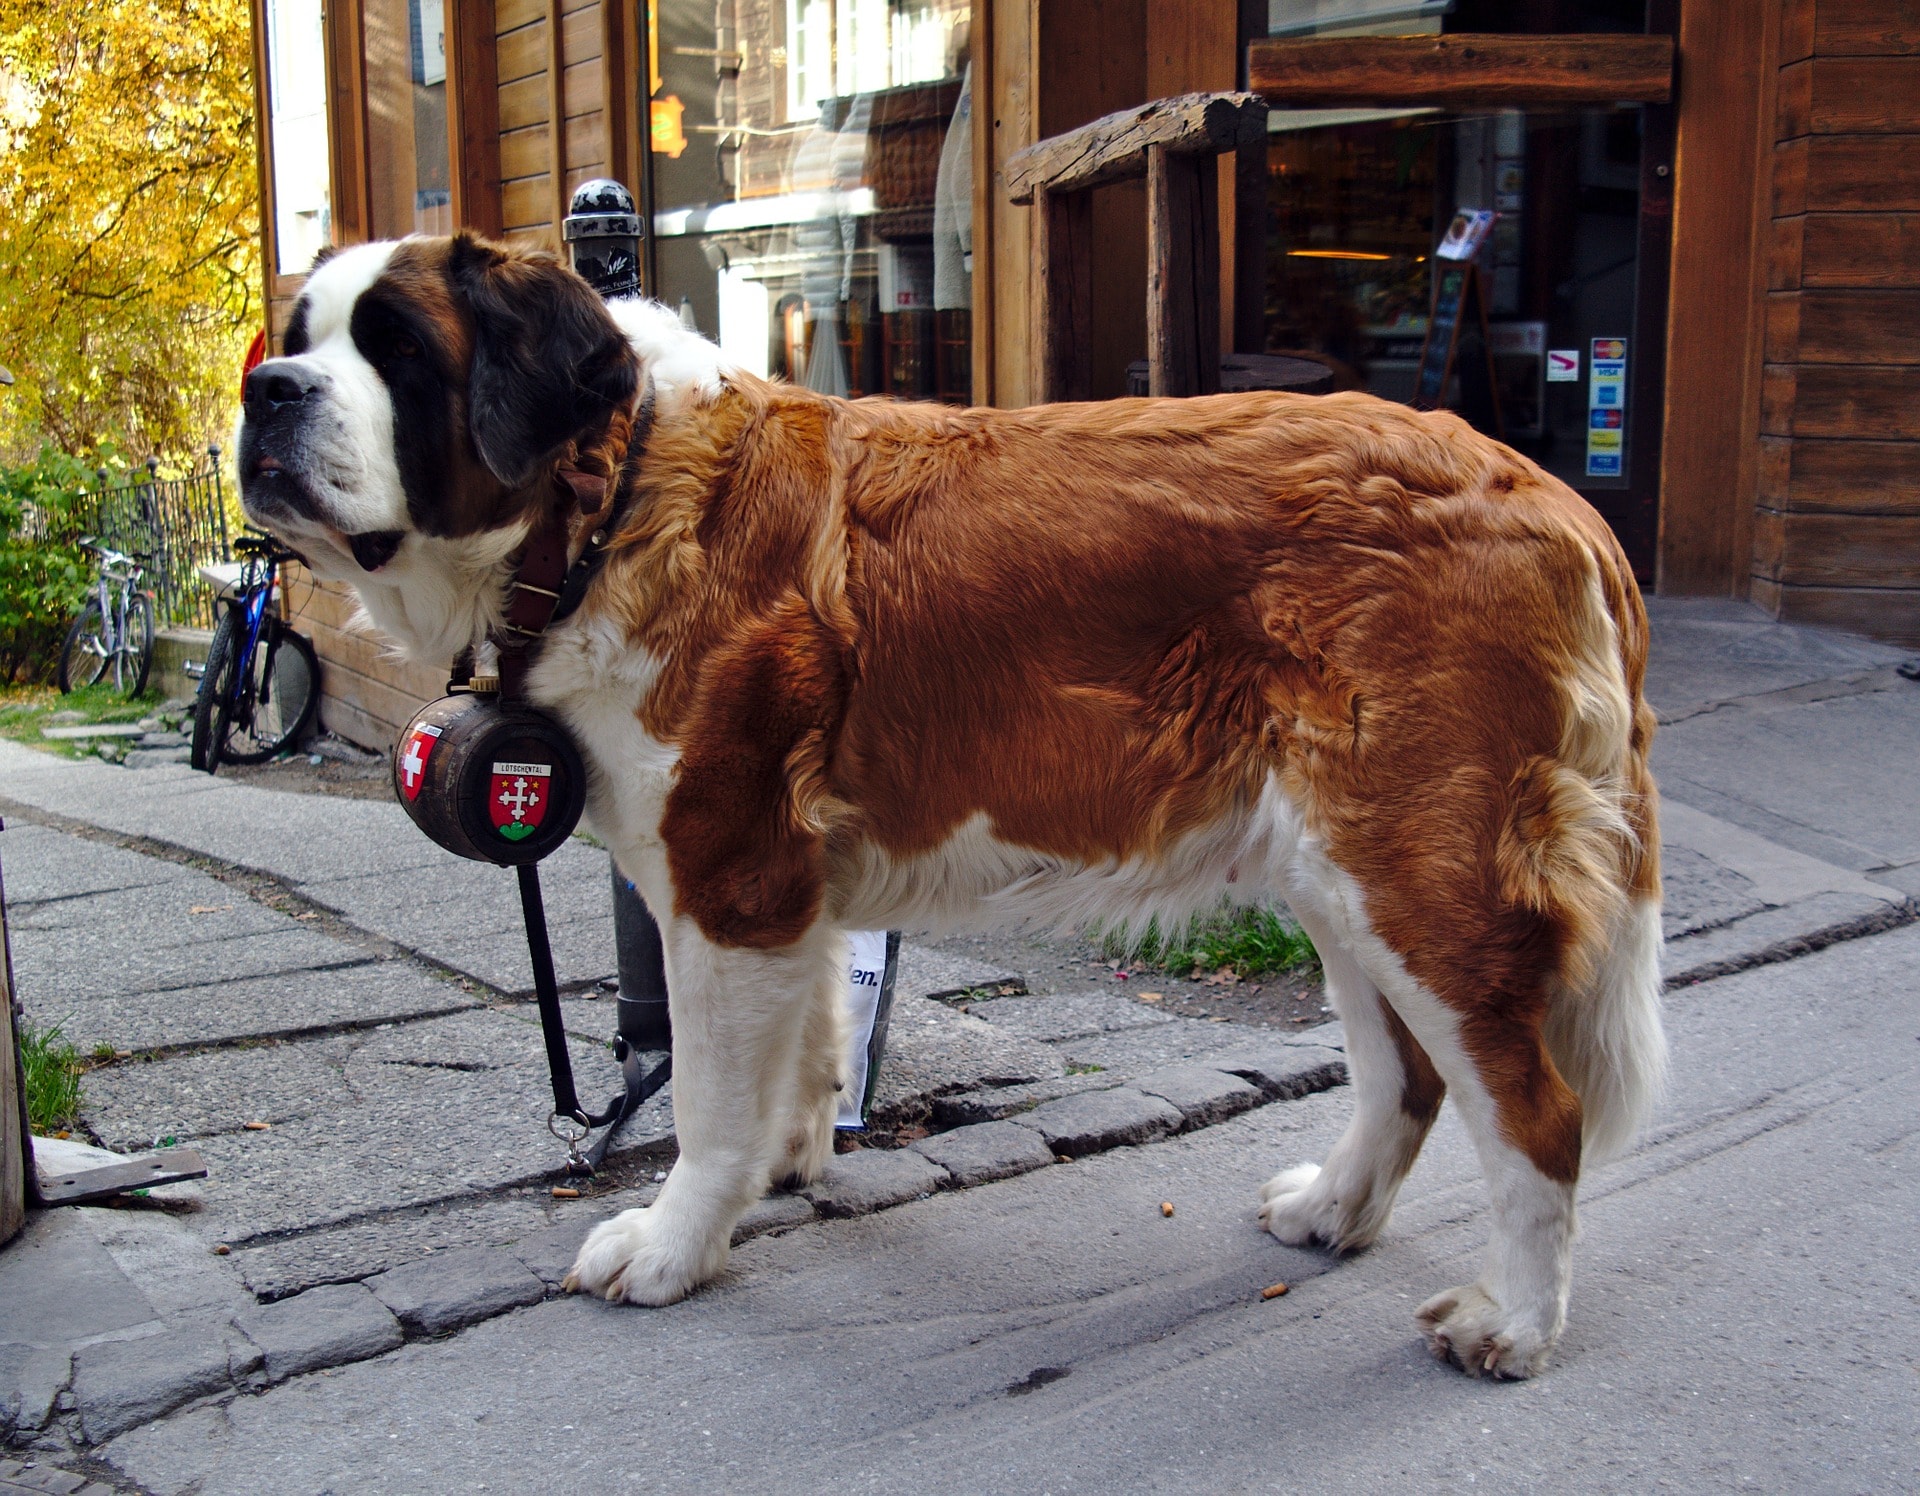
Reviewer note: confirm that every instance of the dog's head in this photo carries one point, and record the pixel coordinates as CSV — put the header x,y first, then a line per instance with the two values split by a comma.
x,y
428,392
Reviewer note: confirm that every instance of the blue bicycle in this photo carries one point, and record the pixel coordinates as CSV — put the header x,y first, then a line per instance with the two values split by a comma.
x,y
261,685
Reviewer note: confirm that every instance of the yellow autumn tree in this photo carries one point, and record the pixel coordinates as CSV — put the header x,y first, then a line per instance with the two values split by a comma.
x,y
129,256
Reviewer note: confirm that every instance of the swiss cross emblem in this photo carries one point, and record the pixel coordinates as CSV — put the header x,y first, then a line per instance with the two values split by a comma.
x,y
517,799
413,760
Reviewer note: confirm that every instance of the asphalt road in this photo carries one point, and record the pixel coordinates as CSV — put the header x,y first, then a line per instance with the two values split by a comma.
x,y
1745,1317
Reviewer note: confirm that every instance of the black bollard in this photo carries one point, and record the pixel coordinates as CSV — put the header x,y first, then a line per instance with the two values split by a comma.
x,y
602,230
643,1021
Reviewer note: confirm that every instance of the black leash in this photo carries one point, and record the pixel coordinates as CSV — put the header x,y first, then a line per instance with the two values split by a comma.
x,y
637,1082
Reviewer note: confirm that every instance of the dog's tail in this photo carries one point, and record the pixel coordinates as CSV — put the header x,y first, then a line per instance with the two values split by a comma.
x,y
1582,846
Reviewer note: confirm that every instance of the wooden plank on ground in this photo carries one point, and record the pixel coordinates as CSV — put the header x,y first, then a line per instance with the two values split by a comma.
x,y
1464,68
83,1186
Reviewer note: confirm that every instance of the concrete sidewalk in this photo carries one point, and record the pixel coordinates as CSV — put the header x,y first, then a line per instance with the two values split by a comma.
x,y
316,965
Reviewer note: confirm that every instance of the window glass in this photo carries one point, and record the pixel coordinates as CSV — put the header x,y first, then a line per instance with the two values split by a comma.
x,y
407,148
297,106
814,187
1361,201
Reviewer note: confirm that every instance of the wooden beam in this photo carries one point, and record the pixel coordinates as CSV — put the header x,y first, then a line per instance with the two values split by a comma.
x,y
1464,68
1183,273
1113,148
557,115
1063,255
1723,170
474,131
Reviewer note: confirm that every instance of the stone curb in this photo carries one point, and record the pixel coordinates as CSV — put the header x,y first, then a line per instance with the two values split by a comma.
x,y
1780,934
986,1151
870,1179
1205,1095
326,1326
1095,1121
45,1480
451,1290
119,1385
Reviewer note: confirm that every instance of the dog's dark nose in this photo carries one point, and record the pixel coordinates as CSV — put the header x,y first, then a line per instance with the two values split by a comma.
x,y
275,383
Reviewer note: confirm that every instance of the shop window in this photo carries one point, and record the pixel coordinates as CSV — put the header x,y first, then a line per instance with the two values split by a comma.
x,y
1361,199
410,184
812,189
297,113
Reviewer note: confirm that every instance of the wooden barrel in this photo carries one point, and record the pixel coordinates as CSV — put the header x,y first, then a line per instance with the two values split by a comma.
x,y
500,784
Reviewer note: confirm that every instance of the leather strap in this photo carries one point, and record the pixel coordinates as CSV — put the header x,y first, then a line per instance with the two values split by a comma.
x,y
637,1083
545,588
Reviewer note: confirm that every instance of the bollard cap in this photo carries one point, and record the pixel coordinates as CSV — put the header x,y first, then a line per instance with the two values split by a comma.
x,y
601,209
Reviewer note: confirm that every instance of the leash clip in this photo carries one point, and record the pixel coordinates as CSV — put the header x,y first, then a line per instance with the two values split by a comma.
x,y
561,1126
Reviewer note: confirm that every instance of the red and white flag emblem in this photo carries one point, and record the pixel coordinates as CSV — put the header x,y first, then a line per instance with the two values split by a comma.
x,y
518,798
413,760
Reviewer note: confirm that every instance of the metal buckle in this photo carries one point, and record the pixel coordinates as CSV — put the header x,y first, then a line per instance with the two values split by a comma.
x,y
576,1161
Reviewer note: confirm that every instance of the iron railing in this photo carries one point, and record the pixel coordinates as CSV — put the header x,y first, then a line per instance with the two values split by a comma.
x,y
177,524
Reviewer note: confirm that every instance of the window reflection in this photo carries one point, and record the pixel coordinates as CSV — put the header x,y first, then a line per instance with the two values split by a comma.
x,y
813,171
1361,197
297,110
407,151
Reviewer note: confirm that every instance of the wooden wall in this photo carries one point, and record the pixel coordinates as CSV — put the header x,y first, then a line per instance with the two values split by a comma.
x,y
366,695
1837,526
549,64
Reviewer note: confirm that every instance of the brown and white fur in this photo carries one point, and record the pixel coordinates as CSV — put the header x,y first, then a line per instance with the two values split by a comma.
x,y
854,665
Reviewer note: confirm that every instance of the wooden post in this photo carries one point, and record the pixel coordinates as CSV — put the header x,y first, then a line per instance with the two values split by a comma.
x,y
1183,274
13,1101
1063,253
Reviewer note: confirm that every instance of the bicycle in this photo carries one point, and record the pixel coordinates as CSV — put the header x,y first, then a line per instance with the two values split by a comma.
x,y
260,687
115,628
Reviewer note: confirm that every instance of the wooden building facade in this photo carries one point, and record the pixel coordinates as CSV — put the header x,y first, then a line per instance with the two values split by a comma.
x,y
1722,193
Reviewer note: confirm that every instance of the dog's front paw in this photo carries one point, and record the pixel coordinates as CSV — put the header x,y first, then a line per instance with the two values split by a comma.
x,y
639,1258
1467,1327
1294,1207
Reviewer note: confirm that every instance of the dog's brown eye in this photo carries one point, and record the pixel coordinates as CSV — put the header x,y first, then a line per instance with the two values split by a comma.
x,y
404,347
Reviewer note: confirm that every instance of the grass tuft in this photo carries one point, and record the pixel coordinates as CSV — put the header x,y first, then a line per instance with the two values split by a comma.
x,y
1247,942
24,710
52,1068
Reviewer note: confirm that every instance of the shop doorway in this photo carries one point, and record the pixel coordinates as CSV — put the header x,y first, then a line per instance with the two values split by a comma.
x,y
1572,269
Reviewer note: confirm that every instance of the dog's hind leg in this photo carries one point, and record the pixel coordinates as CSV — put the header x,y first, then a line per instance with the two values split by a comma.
x,y
822,1072
1525,1123
1345,1203
740,1018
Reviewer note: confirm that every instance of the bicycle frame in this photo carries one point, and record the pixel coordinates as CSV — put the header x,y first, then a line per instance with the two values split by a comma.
x,y
116,583
258,593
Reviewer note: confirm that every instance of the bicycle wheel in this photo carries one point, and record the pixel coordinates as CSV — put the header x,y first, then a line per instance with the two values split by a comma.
x,y
277,700
204,754
84,655
133,661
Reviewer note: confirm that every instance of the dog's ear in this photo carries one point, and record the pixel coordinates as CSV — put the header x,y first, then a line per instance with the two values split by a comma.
x,y
549,364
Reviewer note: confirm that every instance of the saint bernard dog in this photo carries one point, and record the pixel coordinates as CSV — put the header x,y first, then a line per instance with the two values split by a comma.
x,y
854,665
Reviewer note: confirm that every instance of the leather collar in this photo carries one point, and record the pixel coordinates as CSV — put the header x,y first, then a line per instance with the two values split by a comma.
x,y
545,588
